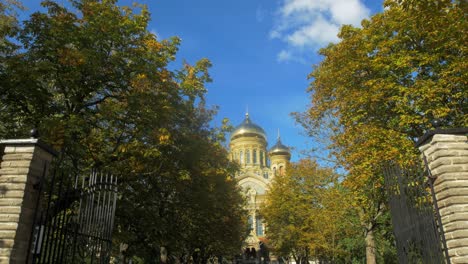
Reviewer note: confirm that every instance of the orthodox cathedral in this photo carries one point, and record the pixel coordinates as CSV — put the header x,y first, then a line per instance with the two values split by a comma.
x,y
248,147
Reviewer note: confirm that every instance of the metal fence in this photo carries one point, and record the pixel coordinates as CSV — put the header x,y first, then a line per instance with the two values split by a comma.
x,y
415,215
74,219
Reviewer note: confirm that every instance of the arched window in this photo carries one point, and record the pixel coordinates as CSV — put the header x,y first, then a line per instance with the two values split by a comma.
x,y
265,175
254,156
259,225
247,156
261,157
250,222
241,157
281,172
274,171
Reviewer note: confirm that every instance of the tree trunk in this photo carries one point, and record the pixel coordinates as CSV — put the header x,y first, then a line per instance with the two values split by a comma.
x,y
370,247
296,259
163,255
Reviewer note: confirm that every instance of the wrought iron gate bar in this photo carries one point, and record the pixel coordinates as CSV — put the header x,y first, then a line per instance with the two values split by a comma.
x,y
75,220
416,231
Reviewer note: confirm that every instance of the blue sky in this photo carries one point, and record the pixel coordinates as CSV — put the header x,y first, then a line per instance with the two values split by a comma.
x,y
261,51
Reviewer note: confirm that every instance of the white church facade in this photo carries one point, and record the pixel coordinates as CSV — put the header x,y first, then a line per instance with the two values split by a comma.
x,y
259,165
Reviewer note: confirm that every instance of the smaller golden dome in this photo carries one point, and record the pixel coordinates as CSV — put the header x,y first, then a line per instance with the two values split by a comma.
x,y
248,128
279,149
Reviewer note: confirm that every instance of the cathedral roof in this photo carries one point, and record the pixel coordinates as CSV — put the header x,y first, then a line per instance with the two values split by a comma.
x,y
248,128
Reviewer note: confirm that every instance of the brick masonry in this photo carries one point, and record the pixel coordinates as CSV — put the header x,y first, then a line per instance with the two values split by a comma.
x,y
447,156
22,164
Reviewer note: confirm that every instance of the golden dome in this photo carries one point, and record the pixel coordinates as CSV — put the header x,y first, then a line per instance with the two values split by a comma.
x,y
248,129
279,149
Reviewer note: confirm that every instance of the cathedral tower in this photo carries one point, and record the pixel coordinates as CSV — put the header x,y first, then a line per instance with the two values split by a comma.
x,y
279,157
248,144
248,147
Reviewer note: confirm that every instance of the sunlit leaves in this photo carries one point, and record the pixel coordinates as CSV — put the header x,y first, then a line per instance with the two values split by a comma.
x,y
305,213
384,85
96,83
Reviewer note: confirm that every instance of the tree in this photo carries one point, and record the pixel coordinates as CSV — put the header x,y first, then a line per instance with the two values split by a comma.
x,y
383,86
95,82
8,28
8,24
307,214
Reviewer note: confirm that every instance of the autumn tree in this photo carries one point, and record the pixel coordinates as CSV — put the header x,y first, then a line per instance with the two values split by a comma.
x,y
8,28
94,80
382,86
307,214
8,24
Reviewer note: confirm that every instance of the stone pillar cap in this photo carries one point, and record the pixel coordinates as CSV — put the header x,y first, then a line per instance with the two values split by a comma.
x,y
447,131
29,141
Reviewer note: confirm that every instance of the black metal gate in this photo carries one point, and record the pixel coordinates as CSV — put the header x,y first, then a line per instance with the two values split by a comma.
x,y
74,219
415,215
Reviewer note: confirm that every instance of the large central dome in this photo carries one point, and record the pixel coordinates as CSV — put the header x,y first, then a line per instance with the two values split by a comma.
x,y
248,129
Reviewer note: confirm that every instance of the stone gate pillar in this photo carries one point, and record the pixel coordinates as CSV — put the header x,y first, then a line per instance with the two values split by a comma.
x,y
447,156
23,164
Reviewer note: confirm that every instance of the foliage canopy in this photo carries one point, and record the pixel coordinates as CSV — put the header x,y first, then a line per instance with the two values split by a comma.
x,y
96,83
308,214
383,86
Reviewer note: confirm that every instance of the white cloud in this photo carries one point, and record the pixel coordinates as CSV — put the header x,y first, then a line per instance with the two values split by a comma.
x,y
291,7
348,11
274,34
284,56
306,25
287,55
320,32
